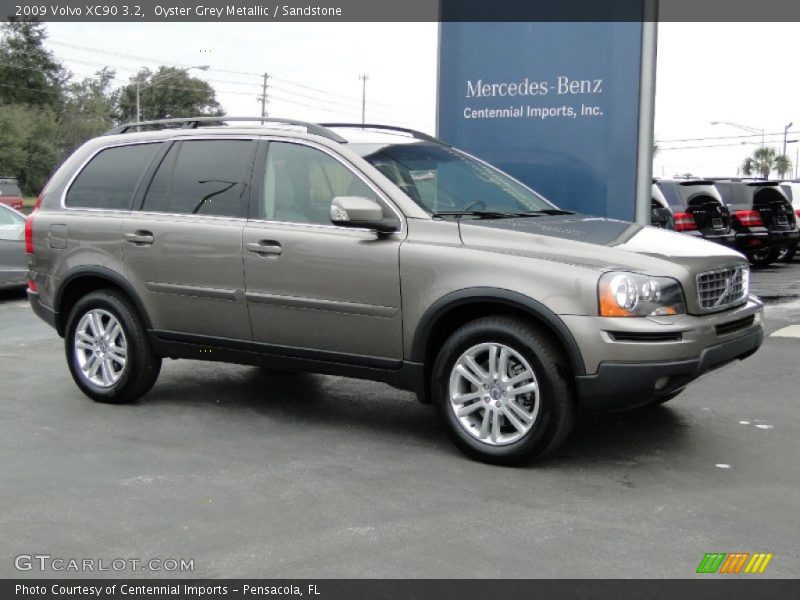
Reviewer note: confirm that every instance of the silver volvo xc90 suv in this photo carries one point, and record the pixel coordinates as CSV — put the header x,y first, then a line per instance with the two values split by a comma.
x,y
373,252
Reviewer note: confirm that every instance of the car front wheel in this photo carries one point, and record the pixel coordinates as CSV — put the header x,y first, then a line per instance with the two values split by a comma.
x,y
108,353
500,390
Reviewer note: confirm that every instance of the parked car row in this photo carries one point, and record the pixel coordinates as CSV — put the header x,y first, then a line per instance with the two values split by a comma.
x,y
756,217
13,260
10,194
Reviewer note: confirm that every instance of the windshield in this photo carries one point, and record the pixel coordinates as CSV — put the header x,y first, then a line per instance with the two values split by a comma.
x,y
445,181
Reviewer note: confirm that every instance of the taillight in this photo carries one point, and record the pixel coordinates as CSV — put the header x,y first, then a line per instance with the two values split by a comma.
x,y
32,287
797,212
748,218
684,221
29,226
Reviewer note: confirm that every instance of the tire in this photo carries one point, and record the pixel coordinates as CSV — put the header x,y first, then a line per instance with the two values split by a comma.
x,y
550,406
762,257
130,368
787,254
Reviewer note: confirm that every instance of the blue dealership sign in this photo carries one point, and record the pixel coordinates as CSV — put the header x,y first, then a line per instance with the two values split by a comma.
x,y
557,105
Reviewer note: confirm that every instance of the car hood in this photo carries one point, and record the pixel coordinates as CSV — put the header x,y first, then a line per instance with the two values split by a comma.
x,y
575,239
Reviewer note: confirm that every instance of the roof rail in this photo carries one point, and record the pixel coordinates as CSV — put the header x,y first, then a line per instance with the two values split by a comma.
x,y
194,122
413,132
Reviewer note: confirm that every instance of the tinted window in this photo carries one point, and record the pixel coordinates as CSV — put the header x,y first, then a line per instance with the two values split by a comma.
x,y
9,189
204,177
300,182
670,191
110,178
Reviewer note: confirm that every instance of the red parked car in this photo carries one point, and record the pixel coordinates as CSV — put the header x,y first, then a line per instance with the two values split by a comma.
x,y
10,194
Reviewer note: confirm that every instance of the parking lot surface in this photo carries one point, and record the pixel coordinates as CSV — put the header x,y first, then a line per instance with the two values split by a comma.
x,y
252,473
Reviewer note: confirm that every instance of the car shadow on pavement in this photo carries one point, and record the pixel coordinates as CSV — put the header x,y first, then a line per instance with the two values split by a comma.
x,y
623,436
303,399
12,295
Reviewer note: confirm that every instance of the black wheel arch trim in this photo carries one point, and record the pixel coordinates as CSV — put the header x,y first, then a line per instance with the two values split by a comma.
x,y
101,272
500,296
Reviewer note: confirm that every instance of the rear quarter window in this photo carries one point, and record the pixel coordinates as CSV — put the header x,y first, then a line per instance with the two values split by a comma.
x,y
202,177
9,189
671,193
111,177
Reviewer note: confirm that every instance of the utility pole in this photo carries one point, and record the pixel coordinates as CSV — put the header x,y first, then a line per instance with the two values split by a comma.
x,y
263,97
785,131
363,79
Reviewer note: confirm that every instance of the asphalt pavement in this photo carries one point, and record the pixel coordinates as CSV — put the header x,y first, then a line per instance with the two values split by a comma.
x,y
251,473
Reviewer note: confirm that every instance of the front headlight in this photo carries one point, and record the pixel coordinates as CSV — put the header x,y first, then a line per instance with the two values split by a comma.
x,y
634,295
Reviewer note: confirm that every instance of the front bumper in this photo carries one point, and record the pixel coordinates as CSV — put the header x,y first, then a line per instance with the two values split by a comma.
x,y
631,362
620,386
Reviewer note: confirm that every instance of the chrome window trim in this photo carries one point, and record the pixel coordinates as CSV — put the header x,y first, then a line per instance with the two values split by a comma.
x,y
350,167
159,140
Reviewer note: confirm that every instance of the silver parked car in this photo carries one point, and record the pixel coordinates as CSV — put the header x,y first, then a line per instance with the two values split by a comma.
x,y
13,260
380,253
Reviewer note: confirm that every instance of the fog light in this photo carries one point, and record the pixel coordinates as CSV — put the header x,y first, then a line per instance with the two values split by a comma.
x,y
661,383
32,286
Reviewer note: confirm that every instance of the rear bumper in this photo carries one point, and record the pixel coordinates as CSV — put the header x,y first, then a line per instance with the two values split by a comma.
x,y
784,239
751,240
726,239
45,313
620,386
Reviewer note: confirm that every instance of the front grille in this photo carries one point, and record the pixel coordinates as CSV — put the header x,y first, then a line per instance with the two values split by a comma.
x,y
721,288
630,336
736,325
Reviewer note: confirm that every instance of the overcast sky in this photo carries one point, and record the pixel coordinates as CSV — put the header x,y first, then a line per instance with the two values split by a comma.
x,y
737,72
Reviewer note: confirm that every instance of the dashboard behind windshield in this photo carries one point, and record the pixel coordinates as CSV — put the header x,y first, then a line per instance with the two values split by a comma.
x,y
441,179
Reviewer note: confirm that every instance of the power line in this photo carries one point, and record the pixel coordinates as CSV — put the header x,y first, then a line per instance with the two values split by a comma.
x,y
259,75
723,137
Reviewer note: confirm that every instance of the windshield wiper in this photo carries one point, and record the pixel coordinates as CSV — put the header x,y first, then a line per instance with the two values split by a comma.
x,y
548,211
493,214
481,214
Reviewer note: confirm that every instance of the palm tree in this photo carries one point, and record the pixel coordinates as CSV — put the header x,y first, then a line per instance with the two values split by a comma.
x,y
762,161
748,166
783,165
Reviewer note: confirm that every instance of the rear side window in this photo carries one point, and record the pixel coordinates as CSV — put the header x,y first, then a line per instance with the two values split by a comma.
x,y
9,189
202,177
670,191
111,177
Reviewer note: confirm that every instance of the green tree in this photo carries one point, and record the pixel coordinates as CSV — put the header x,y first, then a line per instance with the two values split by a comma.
x,y
783,165
89,109
29,148
167,93
762,162
29,74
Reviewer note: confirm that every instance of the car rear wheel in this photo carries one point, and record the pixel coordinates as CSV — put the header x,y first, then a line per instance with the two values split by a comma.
x,y
499,389
108,353
762,257
787,254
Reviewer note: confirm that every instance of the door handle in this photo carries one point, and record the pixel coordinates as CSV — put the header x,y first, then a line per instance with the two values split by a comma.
x,y
270,247
140,238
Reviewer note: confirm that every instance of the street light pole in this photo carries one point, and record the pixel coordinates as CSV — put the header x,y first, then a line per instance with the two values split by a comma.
x,y
363,79
743,128
153,81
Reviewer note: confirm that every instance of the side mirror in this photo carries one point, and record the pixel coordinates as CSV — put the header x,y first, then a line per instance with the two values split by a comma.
x,y
353,211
